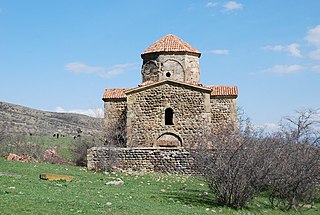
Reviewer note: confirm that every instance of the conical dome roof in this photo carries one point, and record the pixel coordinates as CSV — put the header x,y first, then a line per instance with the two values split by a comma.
x,y
170,43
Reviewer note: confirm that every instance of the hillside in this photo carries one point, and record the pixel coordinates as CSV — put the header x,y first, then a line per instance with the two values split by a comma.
x,y
16,119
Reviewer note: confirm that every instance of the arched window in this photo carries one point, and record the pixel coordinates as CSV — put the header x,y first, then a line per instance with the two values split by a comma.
x,y
169,116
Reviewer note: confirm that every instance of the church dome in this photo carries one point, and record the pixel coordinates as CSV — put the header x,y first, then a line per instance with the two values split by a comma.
x,y
170,43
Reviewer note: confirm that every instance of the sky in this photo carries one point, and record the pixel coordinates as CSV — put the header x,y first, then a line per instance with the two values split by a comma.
x,y
60,55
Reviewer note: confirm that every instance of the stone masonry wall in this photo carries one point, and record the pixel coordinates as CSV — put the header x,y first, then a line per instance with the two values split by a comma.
x,y
114,110
223,111
146,115
169,160
181,67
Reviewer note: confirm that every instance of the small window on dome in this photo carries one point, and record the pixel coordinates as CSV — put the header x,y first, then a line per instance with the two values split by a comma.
x,y
168,74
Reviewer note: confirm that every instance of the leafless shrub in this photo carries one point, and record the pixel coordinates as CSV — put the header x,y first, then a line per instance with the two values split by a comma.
x,y
243,162
295,176
52,156
302,127
3,146
80,151
114,135
82,144
237,165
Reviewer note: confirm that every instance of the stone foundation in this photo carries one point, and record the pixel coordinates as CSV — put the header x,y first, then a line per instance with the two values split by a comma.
x,y
152,159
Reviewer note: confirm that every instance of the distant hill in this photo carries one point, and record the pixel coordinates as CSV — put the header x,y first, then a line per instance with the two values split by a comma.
x,y
16,119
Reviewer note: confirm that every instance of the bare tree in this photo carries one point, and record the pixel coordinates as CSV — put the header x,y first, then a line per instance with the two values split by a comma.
x,y
243,162
3,145
295,177
116,132
236,166
302,127
85,141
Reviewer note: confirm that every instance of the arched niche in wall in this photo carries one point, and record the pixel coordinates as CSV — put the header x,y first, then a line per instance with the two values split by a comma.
x,y
150,71
169,139
172,69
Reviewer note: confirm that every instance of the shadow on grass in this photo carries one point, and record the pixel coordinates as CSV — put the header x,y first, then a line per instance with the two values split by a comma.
x,y
192,197
317,201
197,198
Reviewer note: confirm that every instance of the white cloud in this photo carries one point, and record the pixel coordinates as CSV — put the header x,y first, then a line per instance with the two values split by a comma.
x,y
284,69
268,127
211,4
292,49
313,36
98,112
232,5
219,51
315,54
82,68
60,110
316,68
274,48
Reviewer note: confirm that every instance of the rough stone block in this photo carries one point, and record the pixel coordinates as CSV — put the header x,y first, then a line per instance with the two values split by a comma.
x,y
55,177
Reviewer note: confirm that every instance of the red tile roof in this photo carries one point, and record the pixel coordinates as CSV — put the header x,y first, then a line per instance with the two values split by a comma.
x,y
216,91
114,93
170,43
151,84
223,90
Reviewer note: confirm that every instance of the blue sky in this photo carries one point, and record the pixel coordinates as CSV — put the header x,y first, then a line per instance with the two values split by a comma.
x,y
60,55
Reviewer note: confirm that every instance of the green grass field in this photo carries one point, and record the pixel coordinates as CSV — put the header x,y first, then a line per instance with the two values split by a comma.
x,y
36,145
62,144
22,192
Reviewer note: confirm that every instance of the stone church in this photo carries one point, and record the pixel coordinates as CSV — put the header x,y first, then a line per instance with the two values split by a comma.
x,y
170,108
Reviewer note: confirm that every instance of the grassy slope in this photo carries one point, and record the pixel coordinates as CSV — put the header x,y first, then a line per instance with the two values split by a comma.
x,y
62,144
37,145
89,194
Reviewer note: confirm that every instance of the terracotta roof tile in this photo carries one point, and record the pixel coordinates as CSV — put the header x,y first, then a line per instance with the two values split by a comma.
x,y
114,93
223,90
216,91
170,43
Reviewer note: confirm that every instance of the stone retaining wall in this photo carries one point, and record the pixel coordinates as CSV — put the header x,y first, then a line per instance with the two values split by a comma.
x,y
168,160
